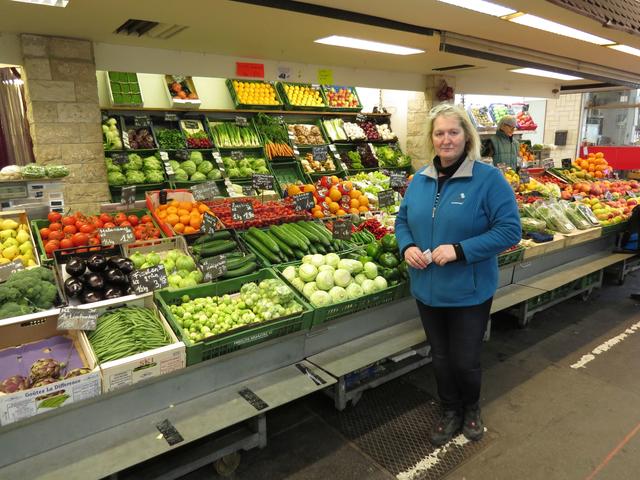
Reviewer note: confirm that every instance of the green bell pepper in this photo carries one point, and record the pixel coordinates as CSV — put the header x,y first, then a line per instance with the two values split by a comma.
x,y
389,243
388,260
374,250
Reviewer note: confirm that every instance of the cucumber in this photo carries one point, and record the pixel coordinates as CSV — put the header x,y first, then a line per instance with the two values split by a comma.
x,y
301,231
265,239
219,235
282,235
311,234
323,234
303,242
216,248
320,248
233,263
238,272
261,249
298,253
313,249
284,248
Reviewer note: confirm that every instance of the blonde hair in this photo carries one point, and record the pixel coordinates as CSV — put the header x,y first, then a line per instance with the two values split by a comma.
x,y
472,146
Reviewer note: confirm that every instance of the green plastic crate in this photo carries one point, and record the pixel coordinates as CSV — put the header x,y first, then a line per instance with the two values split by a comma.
x,y
141,190
325,89
322,315
312,123
212,121
237,339
248,106
289,106
610,229
513,256
286,173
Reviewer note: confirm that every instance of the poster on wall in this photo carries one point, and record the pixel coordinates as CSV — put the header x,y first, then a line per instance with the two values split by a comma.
x,y
247,69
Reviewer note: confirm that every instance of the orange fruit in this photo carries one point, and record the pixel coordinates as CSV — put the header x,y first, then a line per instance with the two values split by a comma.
x,y
203,208
347,185
179,227
162,214
293,190
195,222
310,188
318,214
183,211
162,207
354,193
355,211
334,180
363,201
189,229
172,210
334,207
174,203
341,212
335,194
186,205
354,203
363,209
185,219
172,219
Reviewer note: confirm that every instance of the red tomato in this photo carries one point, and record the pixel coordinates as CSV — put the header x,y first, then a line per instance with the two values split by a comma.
x,y
94,241
119,218
124,224
98,223
109,225
66,243
80,239
139,235
70,229
56,235
54,217
69,220
146,219
87,228
105,218
133,220
55,226
79,224
44,233
51,245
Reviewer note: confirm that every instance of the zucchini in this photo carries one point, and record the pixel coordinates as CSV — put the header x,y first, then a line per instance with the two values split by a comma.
x,y
265,239
216,248
261,249
284,248
238,272
233,263
282,235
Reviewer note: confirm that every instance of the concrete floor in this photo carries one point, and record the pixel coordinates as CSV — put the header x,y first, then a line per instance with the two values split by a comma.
x,y
545,419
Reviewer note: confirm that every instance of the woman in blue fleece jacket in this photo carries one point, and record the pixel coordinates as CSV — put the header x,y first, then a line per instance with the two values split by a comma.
x,y
457,215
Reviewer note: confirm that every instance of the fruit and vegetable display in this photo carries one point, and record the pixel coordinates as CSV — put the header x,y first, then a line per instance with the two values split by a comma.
x,y
222,242
231,135
266,214
33,171
204,317
335,129
309,165
341,97
355,131
352,159
126,331
526,153
195,169
499,110
125,88
375,227
525,121
11,172
306,134
334,196
385,254
292,241
245,167
183,217
141,139
594,166
179,266
195,134
169,138
28,291
392,157
111,136
303,95
370,184
43,371
16,243
255,93
181,88
329,279
101,276
384,130
135,171
480,117
79,230
370,130
362,157
275,136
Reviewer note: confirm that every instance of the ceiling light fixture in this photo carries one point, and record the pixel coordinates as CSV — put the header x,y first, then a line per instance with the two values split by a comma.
x,y
545,73
558,28
46,3
626,49
482,7
348,42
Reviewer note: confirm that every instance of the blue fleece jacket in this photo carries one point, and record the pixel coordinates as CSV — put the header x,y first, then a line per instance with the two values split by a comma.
x,y
477,209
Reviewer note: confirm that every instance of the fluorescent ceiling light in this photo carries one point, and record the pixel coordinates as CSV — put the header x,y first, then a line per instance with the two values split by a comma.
x,y
558,28
46,3
349,42
545,73
626,49
482,7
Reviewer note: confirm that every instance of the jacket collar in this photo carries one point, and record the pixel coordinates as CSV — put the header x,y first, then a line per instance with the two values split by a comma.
x,y
465,170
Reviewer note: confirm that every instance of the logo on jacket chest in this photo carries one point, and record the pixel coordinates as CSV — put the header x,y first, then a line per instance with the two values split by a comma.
x,y
458,200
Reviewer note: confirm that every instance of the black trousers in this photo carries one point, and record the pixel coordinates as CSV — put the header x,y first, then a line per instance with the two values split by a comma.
x,y
455,335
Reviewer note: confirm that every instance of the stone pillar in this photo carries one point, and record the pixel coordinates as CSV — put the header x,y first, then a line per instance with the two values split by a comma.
x,y
418,110
64,115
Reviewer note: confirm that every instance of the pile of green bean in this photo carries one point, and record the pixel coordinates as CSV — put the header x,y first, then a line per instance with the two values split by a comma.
x,y
127,331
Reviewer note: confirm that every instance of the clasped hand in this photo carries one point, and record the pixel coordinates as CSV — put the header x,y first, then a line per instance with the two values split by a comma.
x,y
442,255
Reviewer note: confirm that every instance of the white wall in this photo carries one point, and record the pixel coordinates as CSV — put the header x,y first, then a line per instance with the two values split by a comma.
x,y
10,53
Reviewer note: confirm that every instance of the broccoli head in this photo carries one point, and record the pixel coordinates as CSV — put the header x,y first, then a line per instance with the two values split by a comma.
x,y
12,309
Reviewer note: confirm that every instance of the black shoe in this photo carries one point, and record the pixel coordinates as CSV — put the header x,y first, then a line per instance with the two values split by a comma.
x,y
448,425
635,296
473,427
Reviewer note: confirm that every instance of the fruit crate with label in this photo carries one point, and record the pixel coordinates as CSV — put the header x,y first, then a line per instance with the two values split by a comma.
x,y
254,94
231,339
181,91
523,117
499,110
16,239
342,98
199,167
124,89
196,132
481,118
138,133
302,96
287,173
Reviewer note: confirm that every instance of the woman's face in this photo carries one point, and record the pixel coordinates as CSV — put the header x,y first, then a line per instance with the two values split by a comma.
x,y
448,139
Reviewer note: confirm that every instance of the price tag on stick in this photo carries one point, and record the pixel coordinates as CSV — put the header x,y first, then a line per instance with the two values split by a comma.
x,y
319,154
237,155
148,279
71,318
141,121
342,229
303,201
210,223
386,198
128,195
170,117
262,181
397,179
120,158
241,121
205,191
9,269
116,236
213,267
242,211
182,155
566,163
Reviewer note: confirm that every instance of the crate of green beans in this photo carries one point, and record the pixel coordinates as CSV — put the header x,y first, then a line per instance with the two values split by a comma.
x,y
132,342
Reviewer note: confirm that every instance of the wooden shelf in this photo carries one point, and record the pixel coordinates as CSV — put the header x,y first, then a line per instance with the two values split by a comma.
x,y
240,112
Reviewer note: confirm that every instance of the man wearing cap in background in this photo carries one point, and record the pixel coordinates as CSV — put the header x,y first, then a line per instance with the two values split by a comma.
x,y
505,149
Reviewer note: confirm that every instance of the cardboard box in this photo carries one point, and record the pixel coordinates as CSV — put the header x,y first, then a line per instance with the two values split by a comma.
x,y
153,202
22,336
21,217
135,368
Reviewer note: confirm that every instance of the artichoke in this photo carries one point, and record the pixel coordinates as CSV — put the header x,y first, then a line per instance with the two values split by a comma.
x,y
43,382
76,372
43,369
14,384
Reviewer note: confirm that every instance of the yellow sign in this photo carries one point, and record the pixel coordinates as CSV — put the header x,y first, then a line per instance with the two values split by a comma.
x,y
325,76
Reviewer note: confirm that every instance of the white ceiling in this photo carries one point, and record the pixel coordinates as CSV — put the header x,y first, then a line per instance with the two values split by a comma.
x,y
236,29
